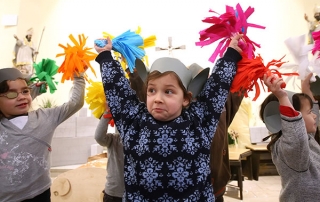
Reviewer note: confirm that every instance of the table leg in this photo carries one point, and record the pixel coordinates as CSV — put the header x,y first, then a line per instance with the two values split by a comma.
x,y
255,165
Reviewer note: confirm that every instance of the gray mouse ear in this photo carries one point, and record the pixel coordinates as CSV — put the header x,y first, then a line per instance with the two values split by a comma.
x,y
271,117
199,78
142,70
271,114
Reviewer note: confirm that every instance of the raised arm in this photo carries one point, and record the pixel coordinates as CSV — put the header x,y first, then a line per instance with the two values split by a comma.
x,y
212,98
122,100
293,146
101,136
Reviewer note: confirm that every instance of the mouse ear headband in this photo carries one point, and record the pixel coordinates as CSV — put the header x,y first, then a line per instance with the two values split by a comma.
x,y
271,114
12,74
192,78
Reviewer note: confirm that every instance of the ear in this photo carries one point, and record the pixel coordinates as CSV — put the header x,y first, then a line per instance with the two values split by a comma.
x,y
187,99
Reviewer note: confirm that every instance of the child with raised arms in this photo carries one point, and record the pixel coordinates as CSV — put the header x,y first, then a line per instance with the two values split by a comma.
x,y
167,139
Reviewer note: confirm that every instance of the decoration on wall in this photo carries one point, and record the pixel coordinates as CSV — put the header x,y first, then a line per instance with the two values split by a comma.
x,y
45,71
77,58
170,48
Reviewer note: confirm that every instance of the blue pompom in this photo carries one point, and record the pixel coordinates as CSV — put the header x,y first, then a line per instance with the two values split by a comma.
x,y
101,43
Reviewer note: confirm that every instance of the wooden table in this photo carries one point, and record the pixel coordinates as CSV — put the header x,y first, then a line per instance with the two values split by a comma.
x,y
235,157
257,150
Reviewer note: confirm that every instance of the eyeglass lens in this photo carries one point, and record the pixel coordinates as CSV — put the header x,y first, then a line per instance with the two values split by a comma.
x,y
12,94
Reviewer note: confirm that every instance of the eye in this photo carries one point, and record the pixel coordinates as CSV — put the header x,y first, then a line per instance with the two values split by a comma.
x,y
12,95
169,91
26,91
151,90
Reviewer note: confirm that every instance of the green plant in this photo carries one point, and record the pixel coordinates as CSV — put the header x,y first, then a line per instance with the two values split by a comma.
x,y
48,103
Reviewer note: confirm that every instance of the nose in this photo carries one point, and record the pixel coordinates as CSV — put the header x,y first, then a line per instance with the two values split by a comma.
x,y
158,98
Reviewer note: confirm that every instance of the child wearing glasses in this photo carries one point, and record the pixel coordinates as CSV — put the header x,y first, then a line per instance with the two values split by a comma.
x,y
25,137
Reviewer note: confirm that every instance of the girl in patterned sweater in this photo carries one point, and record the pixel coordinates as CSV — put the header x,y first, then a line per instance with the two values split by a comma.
x,y
167,139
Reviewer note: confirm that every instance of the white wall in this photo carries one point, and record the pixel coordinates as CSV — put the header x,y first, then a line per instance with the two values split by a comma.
x,y
180,19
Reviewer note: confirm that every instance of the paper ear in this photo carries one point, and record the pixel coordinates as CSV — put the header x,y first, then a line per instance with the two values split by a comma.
x,y
141,69
197,83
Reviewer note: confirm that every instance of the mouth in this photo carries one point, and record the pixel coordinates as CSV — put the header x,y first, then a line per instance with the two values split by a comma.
x,y
22,105
158,110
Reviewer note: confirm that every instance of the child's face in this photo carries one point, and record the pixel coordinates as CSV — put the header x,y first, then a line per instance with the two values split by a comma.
x,y
308,116
165,98
20,104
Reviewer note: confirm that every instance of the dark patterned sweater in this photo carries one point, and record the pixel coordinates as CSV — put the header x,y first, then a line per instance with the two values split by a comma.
x,y
167,161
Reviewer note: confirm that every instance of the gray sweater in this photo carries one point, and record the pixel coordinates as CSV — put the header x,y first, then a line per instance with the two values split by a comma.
x,y
115,182
297,158
25,154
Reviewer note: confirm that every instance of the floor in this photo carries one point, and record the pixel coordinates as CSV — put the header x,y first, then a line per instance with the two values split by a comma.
x,y
267,189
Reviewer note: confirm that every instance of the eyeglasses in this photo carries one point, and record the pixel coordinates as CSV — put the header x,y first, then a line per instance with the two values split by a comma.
x,y
12,94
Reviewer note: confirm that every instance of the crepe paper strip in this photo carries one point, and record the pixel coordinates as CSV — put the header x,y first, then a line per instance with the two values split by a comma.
x,y
96,99
315,65
250,71
44,71
127,47
147,42
316,38
101,42
109,116
77,58
299,51
106,35
128,44
224,27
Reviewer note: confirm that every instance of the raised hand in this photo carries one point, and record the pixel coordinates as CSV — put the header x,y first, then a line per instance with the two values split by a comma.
x,y
234,43
103,44
273,82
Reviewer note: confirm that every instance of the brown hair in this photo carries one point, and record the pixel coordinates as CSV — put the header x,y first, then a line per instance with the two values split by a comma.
x,y
296,103
156,74
138,85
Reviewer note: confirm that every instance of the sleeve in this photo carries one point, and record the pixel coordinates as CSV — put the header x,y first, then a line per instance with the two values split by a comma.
x,y
101,136
288,111
75,103
122,100
293,145
212,99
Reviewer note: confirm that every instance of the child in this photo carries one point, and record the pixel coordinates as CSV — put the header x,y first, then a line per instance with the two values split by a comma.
x,y
114,188
167,140
25,138
294,150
